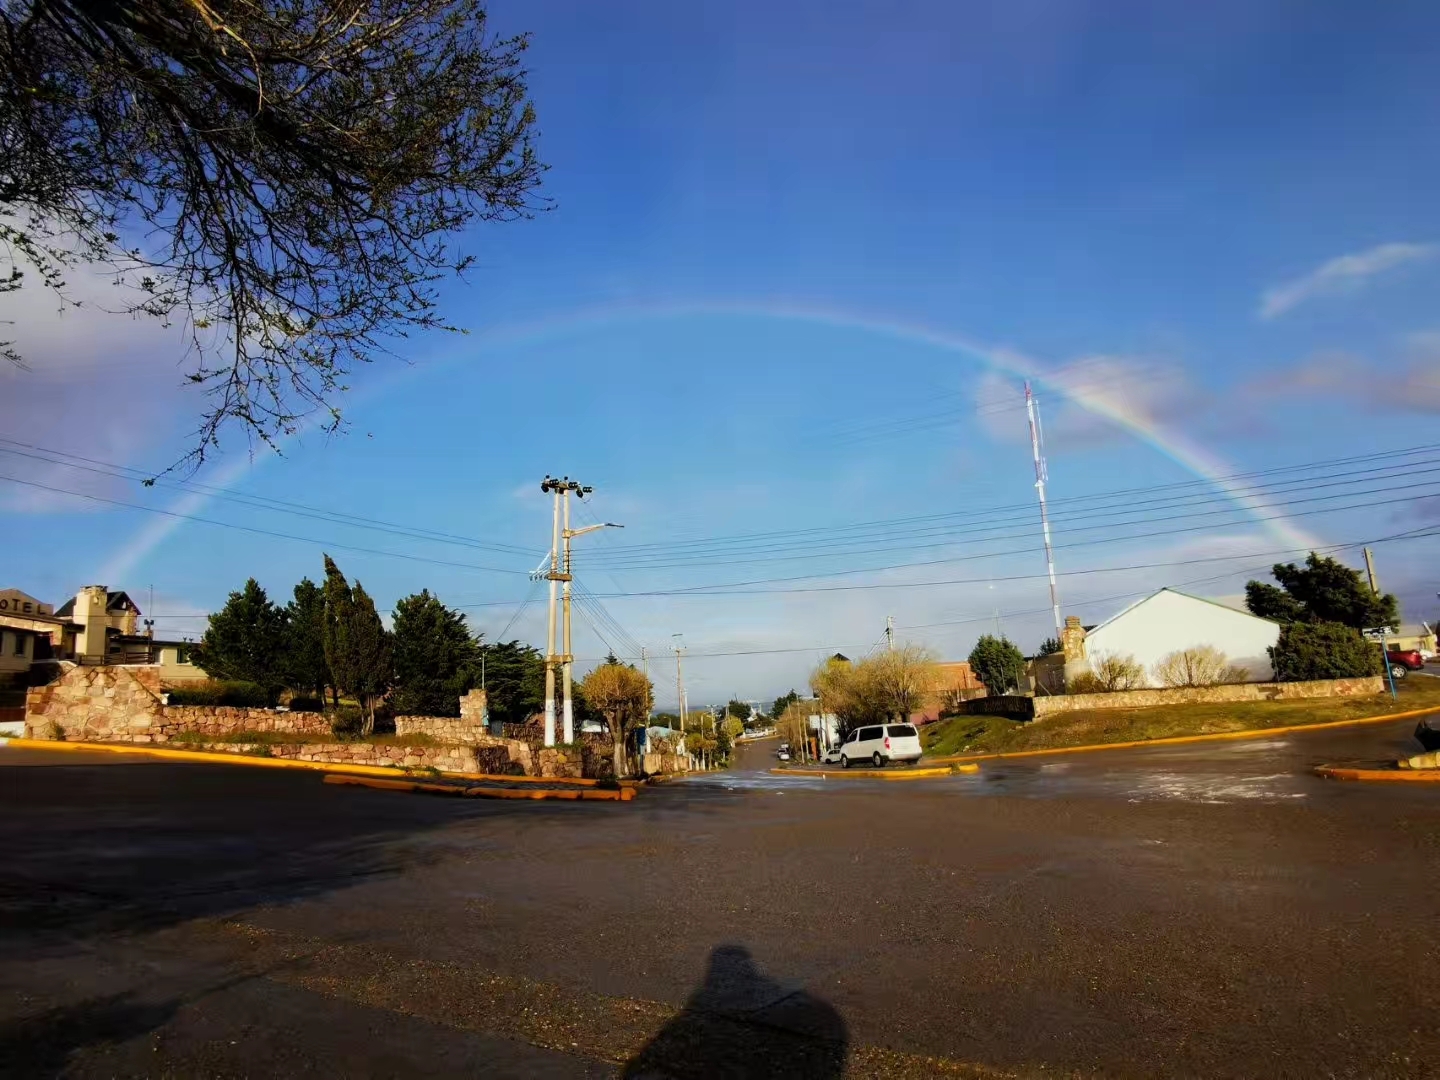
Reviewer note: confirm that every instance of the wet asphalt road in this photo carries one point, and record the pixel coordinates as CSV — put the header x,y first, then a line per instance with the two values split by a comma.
x,y
1211,910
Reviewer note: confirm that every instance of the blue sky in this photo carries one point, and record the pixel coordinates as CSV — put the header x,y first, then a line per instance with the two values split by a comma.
x,y
790,245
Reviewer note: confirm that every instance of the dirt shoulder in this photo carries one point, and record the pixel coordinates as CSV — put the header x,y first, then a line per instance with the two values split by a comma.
x,y
996,734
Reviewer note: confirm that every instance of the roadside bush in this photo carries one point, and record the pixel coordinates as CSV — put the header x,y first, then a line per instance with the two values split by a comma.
x,y
1110,672
1201,666
220,692
347,721
1325,650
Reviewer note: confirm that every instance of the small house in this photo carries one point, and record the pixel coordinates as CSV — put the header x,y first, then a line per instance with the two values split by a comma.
x,y
1167,622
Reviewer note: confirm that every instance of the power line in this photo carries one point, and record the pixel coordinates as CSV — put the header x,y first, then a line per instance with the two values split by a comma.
x,y
258,531
1112,518
125,472
986,617
1123,494
737,588
1420,533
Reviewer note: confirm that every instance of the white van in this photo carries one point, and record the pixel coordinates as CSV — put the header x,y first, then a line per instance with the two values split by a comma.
x,y
880,744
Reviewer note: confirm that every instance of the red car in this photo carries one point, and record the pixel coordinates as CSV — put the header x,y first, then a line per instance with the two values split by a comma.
x,y
1403,662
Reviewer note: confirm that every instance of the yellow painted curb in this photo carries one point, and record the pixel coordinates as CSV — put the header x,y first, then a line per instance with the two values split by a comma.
x,y
1179,740
1402,776
879,774
204,757
476,791
571,780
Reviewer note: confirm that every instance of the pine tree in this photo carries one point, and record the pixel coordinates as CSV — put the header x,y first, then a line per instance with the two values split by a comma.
x,y
357,646
436,659
246,640
305,660
1323,590
998,664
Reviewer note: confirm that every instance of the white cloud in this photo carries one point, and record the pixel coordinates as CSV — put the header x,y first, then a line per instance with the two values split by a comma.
x,y
1342,274
1079,399
1400,386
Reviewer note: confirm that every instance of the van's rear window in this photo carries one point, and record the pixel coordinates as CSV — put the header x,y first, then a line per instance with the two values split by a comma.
x,y
902,731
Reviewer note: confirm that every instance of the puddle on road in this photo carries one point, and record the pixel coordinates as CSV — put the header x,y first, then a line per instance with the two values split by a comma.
x,y
1276,787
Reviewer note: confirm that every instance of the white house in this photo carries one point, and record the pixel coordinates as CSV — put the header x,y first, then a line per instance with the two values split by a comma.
x,y
1170,621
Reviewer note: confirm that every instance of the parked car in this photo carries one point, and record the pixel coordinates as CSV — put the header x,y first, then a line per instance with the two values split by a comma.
x,y
783,753
880,744
1403,661
831,756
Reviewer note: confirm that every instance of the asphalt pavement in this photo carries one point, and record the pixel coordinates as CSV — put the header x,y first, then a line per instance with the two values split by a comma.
x,y
1208,910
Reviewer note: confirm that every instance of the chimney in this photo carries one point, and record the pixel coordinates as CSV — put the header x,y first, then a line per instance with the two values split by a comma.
x,y
1072,639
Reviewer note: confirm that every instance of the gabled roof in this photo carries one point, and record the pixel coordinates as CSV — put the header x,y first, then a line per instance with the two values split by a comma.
x,y
1177,592
115,601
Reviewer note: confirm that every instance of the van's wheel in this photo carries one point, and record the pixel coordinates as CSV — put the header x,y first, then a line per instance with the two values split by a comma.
x,y
1398,671
844,762
878,760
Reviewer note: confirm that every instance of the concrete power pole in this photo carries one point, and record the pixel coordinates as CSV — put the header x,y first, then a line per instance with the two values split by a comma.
x,y
551,486
1370,571
560,570
1041,477
679,682
890,632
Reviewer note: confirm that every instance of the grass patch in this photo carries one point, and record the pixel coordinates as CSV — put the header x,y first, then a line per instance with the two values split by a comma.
x,y
996,734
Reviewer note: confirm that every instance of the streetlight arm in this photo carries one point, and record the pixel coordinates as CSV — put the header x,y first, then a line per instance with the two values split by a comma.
x,y
591,528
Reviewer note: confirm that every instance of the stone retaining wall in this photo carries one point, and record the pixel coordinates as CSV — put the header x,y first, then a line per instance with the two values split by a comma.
x,y
1037,708
443,758
122,704
452,729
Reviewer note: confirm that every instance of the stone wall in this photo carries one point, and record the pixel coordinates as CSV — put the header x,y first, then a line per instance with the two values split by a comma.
x,y
444,758
453,729
122,704
1037,708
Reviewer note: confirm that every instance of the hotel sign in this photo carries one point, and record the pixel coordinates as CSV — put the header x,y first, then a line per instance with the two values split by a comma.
x,y
14,602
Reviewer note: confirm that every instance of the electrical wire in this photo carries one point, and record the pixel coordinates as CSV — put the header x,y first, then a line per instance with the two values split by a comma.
x,y
126,473
329,544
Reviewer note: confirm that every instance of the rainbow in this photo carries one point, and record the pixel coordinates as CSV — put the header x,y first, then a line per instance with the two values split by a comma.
x,y
1177,447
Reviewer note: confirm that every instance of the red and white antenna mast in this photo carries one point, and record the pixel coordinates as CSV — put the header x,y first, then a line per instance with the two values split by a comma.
x,y
1032,410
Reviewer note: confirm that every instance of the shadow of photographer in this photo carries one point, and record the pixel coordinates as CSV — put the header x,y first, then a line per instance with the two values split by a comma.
x,y
740,1023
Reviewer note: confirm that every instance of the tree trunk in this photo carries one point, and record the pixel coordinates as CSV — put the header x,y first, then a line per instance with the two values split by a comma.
x,y
619,752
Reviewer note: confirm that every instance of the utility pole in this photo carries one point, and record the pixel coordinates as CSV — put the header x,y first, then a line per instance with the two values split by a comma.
x,y
1370,571
1041,477
561,535
551,486
679,682
645,666
890,632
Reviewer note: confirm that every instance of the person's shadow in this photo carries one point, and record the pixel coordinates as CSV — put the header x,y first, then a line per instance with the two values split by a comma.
x,y
739,1023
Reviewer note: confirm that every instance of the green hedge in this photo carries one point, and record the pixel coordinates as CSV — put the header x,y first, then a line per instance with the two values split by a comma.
x,y
1325,650
216,692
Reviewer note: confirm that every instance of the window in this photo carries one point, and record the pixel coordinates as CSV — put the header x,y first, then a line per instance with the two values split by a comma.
x,y
852,737
902,731
182,654
19,644
866,734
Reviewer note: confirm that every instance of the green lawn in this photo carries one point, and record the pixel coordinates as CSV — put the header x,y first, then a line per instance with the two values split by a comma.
x,y
995,734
